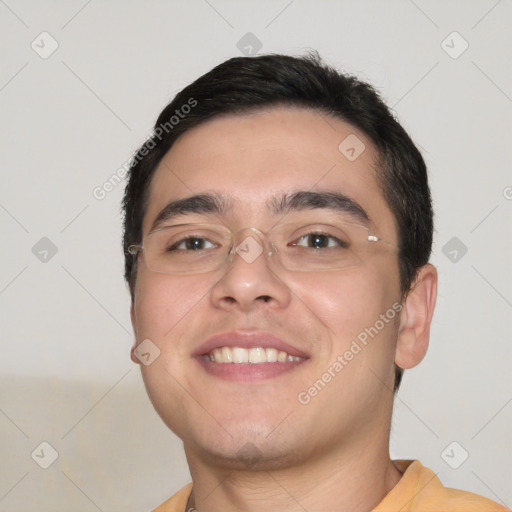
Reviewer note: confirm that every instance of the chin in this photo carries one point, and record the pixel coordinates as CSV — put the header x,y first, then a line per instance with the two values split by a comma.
x,y
248,453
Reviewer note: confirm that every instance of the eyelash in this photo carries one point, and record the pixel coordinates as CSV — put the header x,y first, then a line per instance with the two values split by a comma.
x,y
340,243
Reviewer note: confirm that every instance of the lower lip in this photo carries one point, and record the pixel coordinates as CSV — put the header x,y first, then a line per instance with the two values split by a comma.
x,y
247,372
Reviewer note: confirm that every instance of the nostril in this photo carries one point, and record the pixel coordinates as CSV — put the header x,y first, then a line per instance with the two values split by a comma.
x,y
264,298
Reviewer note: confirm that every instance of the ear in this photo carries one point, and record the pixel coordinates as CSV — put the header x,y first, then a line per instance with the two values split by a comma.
x,y
133,357
415,318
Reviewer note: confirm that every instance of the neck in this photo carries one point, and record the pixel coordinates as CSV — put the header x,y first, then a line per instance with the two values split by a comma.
x,y
353,481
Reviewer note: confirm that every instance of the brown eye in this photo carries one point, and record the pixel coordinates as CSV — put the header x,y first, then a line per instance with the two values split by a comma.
x,y
192,244
320,241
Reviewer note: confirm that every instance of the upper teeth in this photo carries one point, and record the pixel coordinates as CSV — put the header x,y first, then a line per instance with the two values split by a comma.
x,y
252,355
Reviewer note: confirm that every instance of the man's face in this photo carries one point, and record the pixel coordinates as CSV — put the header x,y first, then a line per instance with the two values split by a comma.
x,y
218,408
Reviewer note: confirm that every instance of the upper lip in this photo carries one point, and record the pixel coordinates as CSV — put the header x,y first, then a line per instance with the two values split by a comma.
x,y
248,340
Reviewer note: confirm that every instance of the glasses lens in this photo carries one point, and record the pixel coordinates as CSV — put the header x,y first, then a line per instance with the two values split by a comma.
x,y
319,246
302,246
187,248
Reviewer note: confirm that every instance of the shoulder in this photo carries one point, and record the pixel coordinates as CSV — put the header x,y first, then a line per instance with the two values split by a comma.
x,y
465,501
420,490
177,502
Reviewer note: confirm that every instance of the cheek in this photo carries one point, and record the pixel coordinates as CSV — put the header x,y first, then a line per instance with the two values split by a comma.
x,y
357,310
347,302
163,303
164,309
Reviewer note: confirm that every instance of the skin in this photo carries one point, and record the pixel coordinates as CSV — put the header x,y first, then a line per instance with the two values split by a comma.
x,y
331,454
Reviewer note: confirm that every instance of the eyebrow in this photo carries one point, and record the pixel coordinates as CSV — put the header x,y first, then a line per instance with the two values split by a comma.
x,y
307,200
199,204
219,204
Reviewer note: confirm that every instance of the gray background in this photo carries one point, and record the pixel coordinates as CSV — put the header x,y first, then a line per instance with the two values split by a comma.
x,y
72,119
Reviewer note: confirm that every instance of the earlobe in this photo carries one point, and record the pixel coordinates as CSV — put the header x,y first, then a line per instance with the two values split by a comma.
x,y
133,357
416,317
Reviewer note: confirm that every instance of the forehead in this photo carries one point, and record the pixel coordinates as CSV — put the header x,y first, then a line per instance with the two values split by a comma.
x,y
252,157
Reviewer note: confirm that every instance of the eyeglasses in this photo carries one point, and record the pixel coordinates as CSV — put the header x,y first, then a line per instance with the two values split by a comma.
x,y
297,246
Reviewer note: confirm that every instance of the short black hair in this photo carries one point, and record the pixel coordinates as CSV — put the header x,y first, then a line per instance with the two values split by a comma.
x,y
247,84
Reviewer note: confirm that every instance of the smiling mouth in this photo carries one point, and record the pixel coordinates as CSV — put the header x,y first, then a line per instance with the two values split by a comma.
x,y
255,355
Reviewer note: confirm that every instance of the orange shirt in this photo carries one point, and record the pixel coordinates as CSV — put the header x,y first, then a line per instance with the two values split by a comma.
x,y
419,490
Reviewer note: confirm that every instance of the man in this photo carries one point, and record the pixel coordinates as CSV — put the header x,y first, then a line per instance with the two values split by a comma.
x,y
278,227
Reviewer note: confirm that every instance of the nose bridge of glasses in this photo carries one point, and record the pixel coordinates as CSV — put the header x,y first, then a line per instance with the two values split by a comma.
x,y
249,243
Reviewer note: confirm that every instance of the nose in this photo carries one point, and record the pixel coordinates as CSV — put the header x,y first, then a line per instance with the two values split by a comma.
x,y
251,278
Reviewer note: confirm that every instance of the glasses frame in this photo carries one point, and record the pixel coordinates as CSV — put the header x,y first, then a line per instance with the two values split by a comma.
x,y
135,249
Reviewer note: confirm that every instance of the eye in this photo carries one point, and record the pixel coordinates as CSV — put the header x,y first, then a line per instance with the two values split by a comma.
x,y
192,243
319,241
